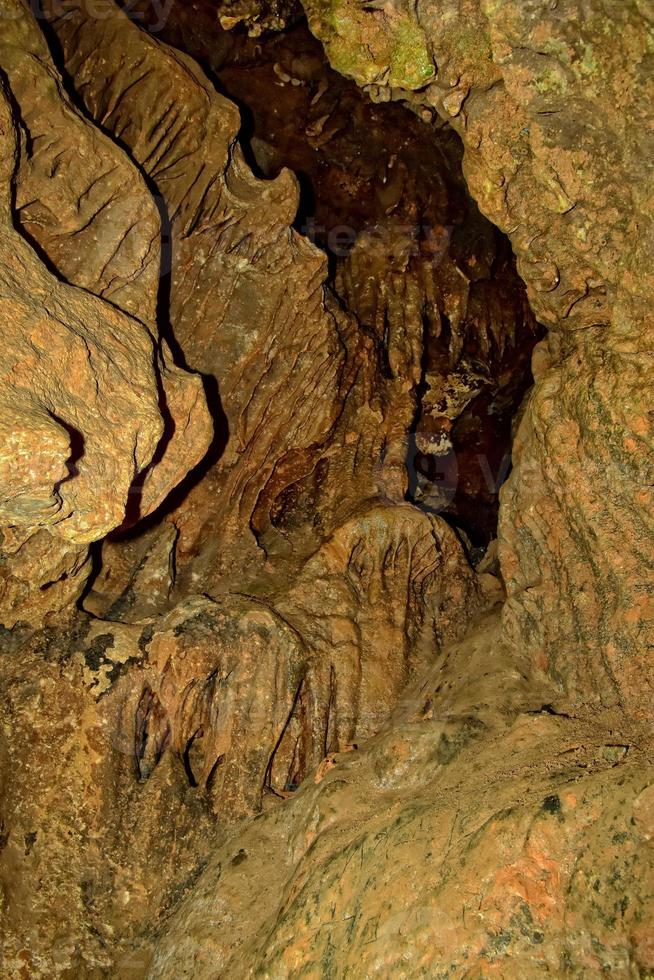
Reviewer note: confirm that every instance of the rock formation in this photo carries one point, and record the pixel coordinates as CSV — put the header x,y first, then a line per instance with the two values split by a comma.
x,y
275,701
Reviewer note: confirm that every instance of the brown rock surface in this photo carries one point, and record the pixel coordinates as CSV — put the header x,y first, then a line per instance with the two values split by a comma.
x,y
243,282
552,102
82,203
252,695
76,419
292,732
462,840
431,281
293,482
88,852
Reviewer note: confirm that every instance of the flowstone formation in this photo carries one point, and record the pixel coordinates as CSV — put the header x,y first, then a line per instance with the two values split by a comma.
x,y
276,702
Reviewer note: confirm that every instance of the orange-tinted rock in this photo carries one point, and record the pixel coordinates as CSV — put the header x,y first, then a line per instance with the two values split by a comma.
x,y
78,422
82,203
462,837
253,641
554,114
244,285
253,694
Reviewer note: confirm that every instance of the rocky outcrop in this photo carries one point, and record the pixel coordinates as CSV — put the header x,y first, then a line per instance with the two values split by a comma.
x,y
97,415
553,113
291,731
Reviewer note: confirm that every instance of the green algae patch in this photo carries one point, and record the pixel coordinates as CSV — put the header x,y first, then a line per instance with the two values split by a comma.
x,y
372,46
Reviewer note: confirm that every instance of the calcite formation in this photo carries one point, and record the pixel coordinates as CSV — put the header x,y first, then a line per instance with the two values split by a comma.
x,y
554,114
274,703
94,407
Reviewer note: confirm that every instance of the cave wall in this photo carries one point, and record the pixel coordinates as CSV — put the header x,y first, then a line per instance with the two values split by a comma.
x,y
175,365
91,393
553,112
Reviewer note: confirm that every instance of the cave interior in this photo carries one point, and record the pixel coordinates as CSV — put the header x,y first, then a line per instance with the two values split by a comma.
x,y
325,532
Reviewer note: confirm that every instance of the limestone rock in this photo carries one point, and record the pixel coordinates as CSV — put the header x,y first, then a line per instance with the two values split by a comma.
x,y
41,575
553,112
85,207
283,740
252,695
78,422
158,736
243,283
392,862
87,852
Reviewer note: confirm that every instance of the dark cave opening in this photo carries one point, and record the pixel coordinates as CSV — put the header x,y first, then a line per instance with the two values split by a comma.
x,y
382,193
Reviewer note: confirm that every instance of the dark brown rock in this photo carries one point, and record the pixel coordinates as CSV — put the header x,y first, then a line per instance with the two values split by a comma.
x,y
292,732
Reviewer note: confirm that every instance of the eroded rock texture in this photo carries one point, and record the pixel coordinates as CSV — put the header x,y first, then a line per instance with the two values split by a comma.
x,y
94,407
261,714
390,864
243,284
554,116
448,333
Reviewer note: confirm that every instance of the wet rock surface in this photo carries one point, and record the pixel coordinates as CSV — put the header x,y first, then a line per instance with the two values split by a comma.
x,y
553,114
431,282
272,703
481,852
